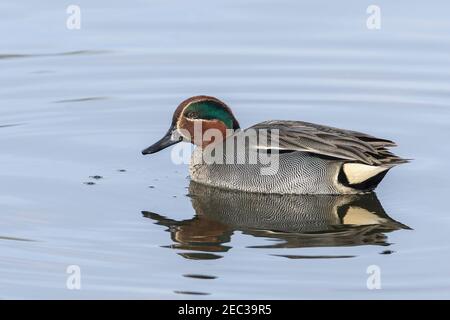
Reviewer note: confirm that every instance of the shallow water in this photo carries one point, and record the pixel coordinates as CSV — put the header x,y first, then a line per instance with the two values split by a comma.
x,y
77,104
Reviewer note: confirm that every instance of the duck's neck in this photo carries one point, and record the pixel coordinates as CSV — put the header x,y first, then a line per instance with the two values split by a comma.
x,y
209,132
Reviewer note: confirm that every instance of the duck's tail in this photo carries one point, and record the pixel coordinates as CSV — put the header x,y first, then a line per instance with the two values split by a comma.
x,y
363,177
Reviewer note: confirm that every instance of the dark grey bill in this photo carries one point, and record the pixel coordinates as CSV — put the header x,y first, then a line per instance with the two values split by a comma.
x,y
165,142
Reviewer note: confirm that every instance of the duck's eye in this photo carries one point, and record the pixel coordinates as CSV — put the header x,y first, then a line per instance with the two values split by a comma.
x,y
192,115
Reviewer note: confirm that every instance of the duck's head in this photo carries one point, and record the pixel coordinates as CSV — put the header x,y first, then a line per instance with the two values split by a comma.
x,y
196,112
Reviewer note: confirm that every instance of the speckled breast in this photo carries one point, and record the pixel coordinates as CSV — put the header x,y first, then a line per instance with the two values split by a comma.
x,y
285,173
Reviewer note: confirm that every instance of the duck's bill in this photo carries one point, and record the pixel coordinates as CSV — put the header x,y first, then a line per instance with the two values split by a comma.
x,y
165,142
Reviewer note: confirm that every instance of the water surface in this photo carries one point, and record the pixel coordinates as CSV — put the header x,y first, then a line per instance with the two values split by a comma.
x,y
77,106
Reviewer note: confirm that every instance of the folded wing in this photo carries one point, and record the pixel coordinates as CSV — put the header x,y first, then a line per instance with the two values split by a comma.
x,y
328,141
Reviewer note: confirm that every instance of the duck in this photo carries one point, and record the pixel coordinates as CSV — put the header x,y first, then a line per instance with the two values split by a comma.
x,y
275,156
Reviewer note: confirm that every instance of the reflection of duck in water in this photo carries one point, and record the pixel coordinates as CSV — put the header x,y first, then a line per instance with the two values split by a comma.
x,y
296,220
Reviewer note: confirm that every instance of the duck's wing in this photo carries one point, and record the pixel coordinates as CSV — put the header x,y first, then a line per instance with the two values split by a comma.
x,y
327,141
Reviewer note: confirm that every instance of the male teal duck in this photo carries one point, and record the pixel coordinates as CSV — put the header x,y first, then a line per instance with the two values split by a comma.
x,y
311,158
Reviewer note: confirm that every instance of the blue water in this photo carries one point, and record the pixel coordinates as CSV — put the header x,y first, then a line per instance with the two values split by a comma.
x,y
80,103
